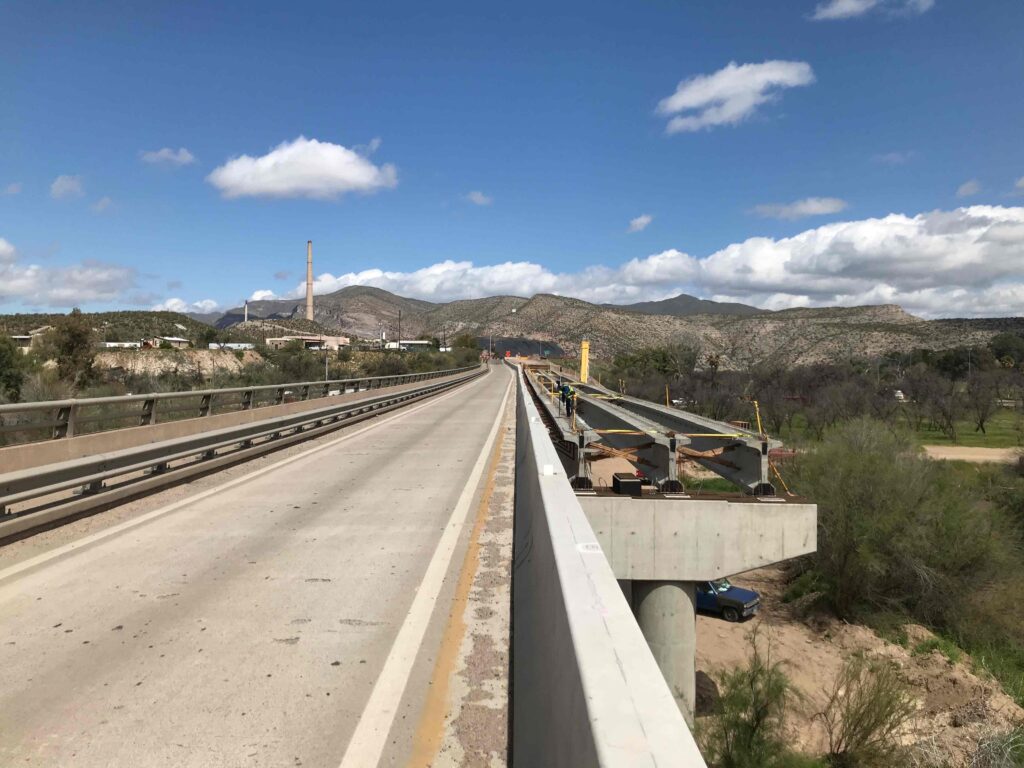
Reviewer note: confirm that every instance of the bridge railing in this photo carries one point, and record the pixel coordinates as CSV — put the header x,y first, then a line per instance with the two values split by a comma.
x,y
56,419
40,485
588,691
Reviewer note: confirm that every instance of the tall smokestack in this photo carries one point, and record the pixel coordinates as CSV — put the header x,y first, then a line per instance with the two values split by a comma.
x,y
246,311
309,279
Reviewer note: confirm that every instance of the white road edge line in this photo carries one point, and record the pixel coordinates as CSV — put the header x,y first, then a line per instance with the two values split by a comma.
x,y
367,743
38,560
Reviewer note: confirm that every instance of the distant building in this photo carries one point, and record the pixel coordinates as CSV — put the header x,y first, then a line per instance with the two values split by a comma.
x,y
175,342
332,343
233,345
25,342
121,344
409,344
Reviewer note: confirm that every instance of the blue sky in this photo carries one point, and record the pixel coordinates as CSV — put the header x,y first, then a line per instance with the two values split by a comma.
x,y
821,167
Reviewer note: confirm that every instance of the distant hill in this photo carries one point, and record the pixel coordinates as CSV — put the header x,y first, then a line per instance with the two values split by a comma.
x,y
126,325
684,305
741,335
559,323
358,310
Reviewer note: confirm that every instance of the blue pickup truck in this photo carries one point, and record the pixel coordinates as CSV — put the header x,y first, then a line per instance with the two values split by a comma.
x,y
721,597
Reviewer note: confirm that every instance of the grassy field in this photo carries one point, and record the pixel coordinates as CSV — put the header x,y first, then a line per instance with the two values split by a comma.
x,y
1004,430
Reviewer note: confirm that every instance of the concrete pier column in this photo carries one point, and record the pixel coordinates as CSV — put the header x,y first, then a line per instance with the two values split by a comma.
x,y
666,613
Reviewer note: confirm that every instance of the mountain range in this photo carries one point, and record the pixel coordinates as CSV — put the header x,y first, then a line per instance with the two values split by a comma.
x,y
740,334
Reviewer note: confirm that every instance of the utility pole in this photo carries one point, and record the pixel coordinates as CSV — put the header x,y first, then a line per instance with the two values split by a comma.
x,y
399,330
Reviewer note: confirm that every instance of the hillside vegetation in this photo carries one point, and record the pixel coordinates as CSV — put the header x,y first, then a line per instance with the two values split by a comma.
x,y
788,337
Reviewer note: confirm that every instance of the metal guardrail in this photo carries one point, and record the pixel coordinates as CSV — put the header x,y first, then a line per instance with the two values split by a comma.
x,y
68,417
212,448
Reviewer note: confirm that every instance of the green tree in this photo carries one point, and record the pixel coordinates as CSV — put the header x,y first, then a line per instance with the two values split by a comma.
x,y
465,341
75,348
898,531
1008,345
12,369
747,729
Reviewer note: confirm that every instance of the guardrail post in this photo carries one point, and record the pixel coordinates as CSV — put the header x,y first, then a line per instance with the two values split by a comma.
x,y
279,396
205,405
148,415
65,426
247,399
327,389
305,392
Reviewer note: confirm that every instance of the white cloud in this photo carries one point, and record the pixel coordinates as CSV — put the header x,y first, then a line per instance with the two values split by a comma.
x,y
1019,186
810,206
302,168
66,186
13,188
79,284
476,197
204,306
942,263
640,222
265,295
730,95
167,156
894,158
968,188
102,204
832,10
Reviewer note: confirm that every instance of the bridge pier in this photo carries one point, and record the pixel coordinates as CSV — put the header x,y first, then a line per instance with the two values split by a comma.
x,y
667,614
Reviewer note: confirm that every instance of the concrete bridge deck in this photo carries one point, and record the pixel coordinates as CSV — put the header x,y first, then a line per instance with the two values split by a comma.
x,y
340,607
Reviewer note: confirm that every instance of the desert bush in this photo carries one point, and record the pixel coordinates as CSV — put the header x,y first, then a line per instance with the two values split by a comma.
x,y
867,707
746,731
1000,750
897,531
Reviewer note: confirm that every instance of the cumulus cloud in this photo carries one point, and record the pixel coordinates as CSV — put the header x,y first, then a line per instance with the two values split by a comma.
x,y
302,168
66,186
102,204
639,224
14,188
476,197
265,295
809,206
942,263
203,307
76,285
833,10
730,95
167,156
968,188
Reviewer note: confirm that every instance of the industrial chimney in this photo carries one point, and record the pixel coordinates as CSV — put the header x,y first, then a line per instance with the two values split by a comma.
x,y
309,279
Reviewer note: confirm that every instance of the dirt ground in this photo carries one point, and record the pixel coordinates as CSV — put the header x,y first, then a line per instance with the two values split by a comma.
x,y
956,708
975,455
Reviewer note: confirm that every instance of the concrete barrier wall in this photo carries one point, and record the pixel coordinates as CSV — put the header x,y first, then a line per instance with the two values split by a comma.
x,y
586,689
28,455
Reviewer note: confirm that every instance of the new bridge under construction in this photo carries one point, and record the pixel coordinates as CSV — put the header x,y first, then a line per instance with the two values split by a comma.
x,y
424,570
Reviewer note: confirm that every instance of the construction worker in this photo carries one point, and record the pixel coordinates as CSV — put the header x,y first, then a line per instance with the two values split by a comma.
x,y
563,391
570,401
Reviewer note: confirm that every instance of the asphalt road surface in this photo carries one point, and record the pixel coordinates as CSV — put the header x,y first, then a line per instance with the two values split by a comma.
x,y
272,621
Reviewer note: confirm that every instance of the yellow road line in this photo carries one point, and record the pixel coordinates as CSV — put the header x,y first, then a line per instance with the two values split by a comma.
x,y
431,728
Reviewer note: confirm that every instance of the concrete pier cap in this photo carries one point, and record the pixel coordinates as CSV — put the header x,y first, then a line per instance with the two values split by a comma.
x,y
659,548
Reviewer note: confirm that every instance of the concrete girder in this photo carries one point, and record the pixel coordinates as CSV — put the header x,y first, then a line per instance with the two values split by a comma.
x,y
739,455
571,444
